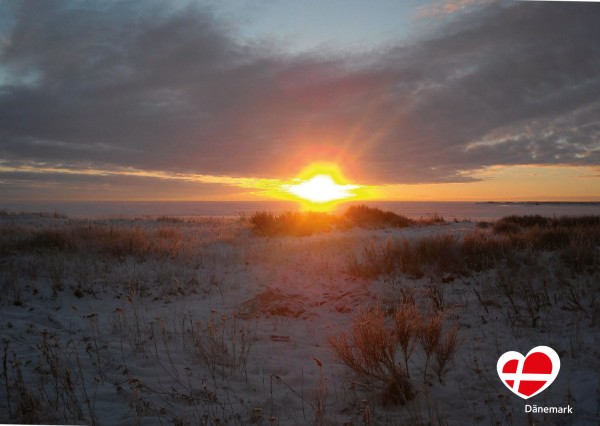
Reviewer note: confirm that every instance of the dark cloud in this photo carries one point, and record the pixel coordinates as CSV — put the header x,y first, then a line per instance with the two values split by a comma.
x,y
60,186
140,85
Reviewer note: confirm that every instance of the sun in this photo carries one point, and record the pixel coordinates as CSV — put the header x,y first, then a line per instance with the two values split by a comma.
x,y
322,189
320,186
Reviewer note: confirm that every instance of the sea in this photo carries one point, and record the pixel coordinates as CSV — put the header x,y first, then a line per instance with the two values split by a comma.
x,y
480,211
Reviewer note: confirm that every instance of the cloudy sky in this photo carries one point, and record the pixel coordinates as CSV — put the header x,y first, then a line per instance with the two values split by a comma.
x,y
203,100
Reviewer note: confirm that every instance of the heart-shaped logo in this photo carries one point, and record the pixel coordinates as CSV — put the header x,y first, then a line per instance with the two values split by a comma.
x,y
526,376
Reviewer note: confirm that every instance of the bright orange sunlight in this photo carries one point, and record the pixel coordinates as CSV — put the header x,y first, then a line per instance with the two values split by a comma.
x,y
321,186
322,189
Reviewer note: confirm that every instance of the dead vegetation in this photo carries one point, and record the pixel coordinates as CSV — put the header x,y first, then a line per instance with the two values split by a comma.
x,y
394,351
574,241
116,241
300,224
370,349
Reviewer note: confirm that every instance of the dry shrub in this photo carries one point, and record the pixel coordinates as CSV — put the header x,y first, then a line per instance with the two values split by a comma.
x,y
577,240
169,242
441,253
582,253
28,407
376,260
482,251
307,223
407,260
586,221
413,257
370,352
549,239
119,242
53,391
264,222
429,337
576,237
386,259
222,343
368,217
407,322
295,224
48,239
444,351
508,223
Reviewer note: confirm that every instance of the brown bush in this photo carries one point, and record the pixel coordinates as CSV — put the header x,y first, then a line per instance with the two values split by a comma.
x,y
370,352
292,223
481,251
511,223
370,349
113,241
369,217
576,239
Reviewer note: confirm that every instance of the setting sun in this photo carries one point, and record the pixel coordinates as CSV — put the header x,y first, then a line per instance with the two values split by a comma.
x,y
322,189
320,186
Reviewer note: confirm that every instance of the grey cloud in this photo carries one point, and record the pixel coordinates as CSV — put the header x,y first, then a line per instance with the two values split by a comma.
x,y
138,84
57,186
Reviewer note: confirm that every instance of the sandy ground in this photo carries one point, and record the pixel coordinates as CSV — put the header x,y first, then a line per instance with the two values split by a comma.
x,y
235,331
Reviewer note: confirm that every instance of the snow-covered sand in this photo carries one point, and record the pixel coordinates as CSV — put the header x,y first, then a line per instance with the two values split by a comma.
x,y
232,328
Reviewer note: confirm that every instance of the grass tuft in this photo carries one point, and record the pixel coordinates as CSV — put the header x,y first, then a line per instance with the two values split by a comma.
x,y
295,224
369,217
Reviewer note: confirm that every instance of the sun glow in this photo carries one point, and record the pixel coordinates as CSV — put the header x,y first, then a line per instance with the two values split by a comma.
x,y
322,189
321,186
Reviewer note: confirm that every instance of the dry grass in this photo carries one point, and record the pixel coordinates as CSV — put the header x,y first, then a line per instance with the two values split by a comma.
x,y
576,240
514,223
407,326
222,343
47,258
292,223
301,224
441,254
368,217
444,352
370,350
163,260
116,241
60,396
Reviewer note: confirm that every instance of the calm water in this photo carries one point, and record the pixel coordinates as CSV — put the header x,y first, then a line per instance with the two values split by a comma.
x,y
449,210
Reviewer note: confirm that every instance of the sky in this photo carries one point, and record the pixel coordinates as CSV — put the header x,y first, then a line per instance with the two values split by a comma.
x,y
231,100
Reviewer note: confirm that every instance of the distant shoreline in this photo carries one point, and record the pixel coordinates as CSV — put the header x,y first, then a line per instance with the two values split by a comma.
x,y
546,203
